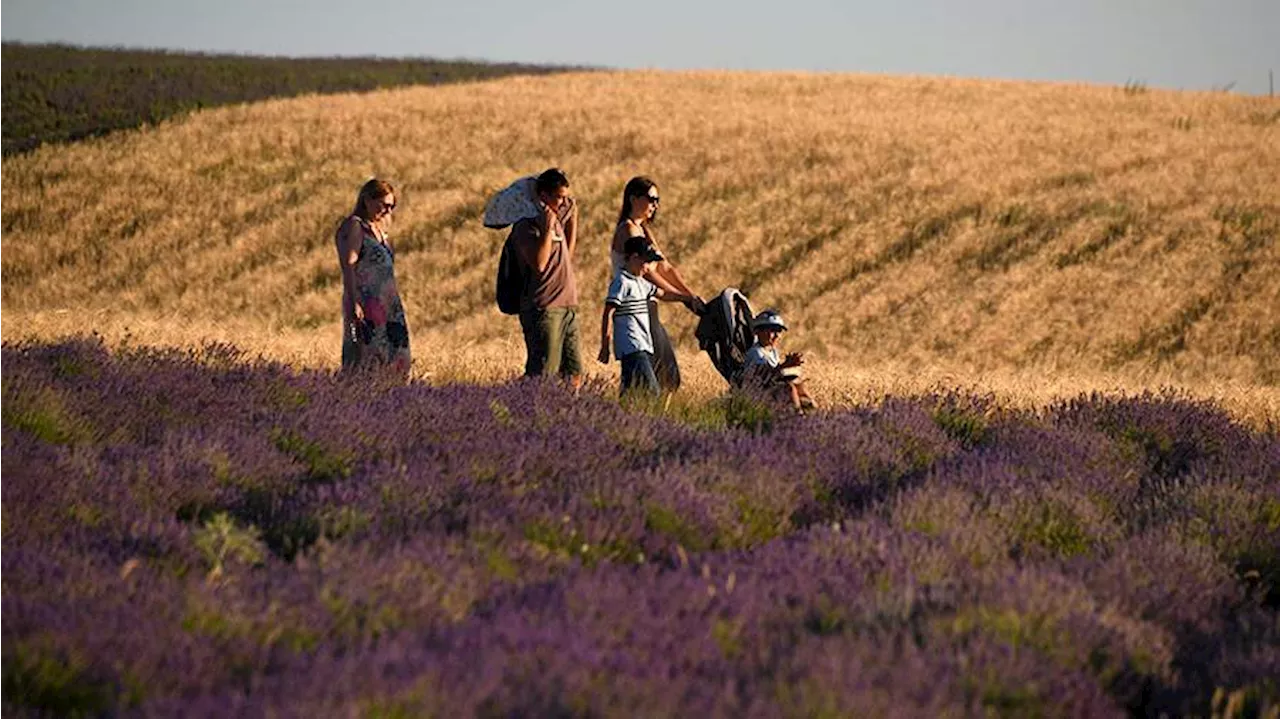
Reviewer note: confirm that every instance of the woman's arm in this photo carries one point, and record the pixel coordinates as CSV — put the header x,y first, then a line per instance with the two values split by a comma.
x,y
350,238
669,296
678,288
669,272
621,233
673,277
665,287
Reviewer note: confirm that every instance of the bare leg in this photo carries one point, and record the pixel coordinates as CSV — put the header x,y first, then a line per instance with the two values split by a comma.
x,y
805,401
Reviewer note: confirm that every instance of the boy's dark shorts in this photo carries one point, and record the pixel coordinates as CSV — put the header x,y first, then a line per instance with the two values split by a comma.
x,y
551,341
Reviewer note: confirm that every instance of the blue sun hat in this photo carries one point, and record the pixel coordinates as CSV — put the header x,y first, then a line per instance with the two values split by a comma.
x,y
769,319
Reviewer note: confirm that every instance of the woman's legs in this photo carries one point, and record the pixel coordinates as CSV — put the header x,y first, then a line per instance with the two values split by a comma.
x,y
665,366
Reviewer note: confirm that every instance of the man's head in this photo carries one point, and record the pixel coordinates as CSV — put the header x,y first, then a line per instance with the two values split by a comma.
x,y
639,252
552,187
768,326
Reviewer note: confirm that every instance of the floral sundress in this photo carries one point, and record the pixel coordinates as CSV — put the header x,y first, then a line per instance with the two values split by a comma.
x,y
383,337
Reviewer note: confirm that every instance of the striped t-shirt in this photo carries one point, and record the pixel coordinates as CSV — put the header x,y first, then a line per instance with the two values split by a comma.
x,y
630,295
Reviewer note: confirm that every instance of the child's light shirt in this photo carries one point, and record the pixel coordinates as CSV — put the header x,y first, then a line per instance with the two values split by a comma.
x,y
630,295
757,355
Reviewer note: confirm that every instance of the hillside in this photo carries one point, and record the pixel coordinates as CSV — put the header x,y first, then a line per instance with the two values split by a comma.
x,y
909,227
60,93
975,524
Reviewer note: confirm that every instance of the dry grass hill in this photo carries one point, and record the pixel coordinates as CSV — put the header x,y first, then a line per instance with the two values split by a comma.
x,y
1030,239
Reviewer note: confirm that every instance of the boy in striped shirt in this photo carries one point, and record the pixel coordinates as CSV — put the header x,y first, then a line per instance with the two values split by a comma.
x,y
626,313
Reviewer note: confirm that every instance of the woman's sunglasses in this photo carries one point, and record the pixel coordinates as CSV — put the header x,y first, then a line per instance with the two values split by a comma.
x,y
653,198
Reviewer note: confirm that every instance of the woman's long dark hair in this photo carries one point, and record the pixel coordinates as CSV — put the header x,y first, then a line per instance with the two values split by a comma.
x,y
636,187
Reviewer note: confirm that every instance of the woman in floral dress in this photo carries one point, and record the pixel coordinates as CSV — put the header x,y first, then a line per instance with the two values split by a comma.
x,y
374,332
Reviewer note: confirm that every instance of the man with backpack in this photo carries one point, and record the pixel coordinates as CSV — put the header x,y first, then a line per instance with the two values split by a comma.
x,y
544,246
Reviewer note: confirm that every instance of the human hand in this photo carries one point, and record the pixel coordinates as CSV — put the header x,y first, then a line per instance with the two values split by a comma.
x,y
604,354
548,218
793,359
697,304
364,332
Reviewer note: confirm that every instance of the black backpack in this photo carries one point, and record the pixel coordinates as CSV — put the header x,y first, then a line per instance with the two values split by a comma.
x,y
505,208
724,333
511,279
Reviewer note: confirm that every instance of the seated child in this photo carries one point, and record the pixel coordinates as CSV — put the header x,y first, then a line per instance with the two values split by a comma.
x,y
763,367
626,312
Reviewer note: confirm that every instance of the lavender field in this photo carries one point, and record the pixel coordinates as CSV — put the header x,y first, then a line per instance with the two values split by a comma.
x,y
199,534
60,93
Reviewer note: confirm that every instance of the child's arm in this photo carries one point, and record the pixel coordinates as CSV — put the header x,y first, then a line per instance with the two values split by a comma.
x,y
606,325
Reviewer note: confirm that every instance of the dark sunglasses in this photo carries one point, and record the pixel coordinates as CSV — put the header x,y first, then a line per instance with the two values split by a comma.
x,y
654,199
387,207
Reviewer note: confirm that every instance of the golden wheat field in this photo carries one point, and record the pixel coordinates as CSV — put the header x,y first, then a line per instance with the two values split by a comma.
x,y
1028,239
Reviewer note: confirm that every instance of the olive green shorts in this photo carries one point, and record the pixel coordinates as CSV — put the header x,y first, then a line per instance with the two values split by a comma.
x,y
551,341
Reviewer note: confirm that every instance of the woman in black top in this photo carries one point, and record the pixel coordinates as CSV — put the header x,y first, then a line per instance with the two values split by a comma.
x,y
639,207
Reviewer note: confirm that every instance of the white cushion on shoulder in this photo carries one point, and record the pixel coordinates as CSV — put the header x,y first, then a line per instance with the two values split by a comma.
x,y
512,204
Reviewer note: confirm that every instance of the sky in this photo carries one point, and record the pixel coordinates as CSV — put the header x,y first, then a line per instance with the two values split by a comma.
x,y
1177,44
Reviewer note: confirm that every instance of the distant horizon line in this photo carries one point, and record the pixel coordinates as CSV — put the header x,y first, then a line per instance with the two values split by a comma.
x,y
1129,82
